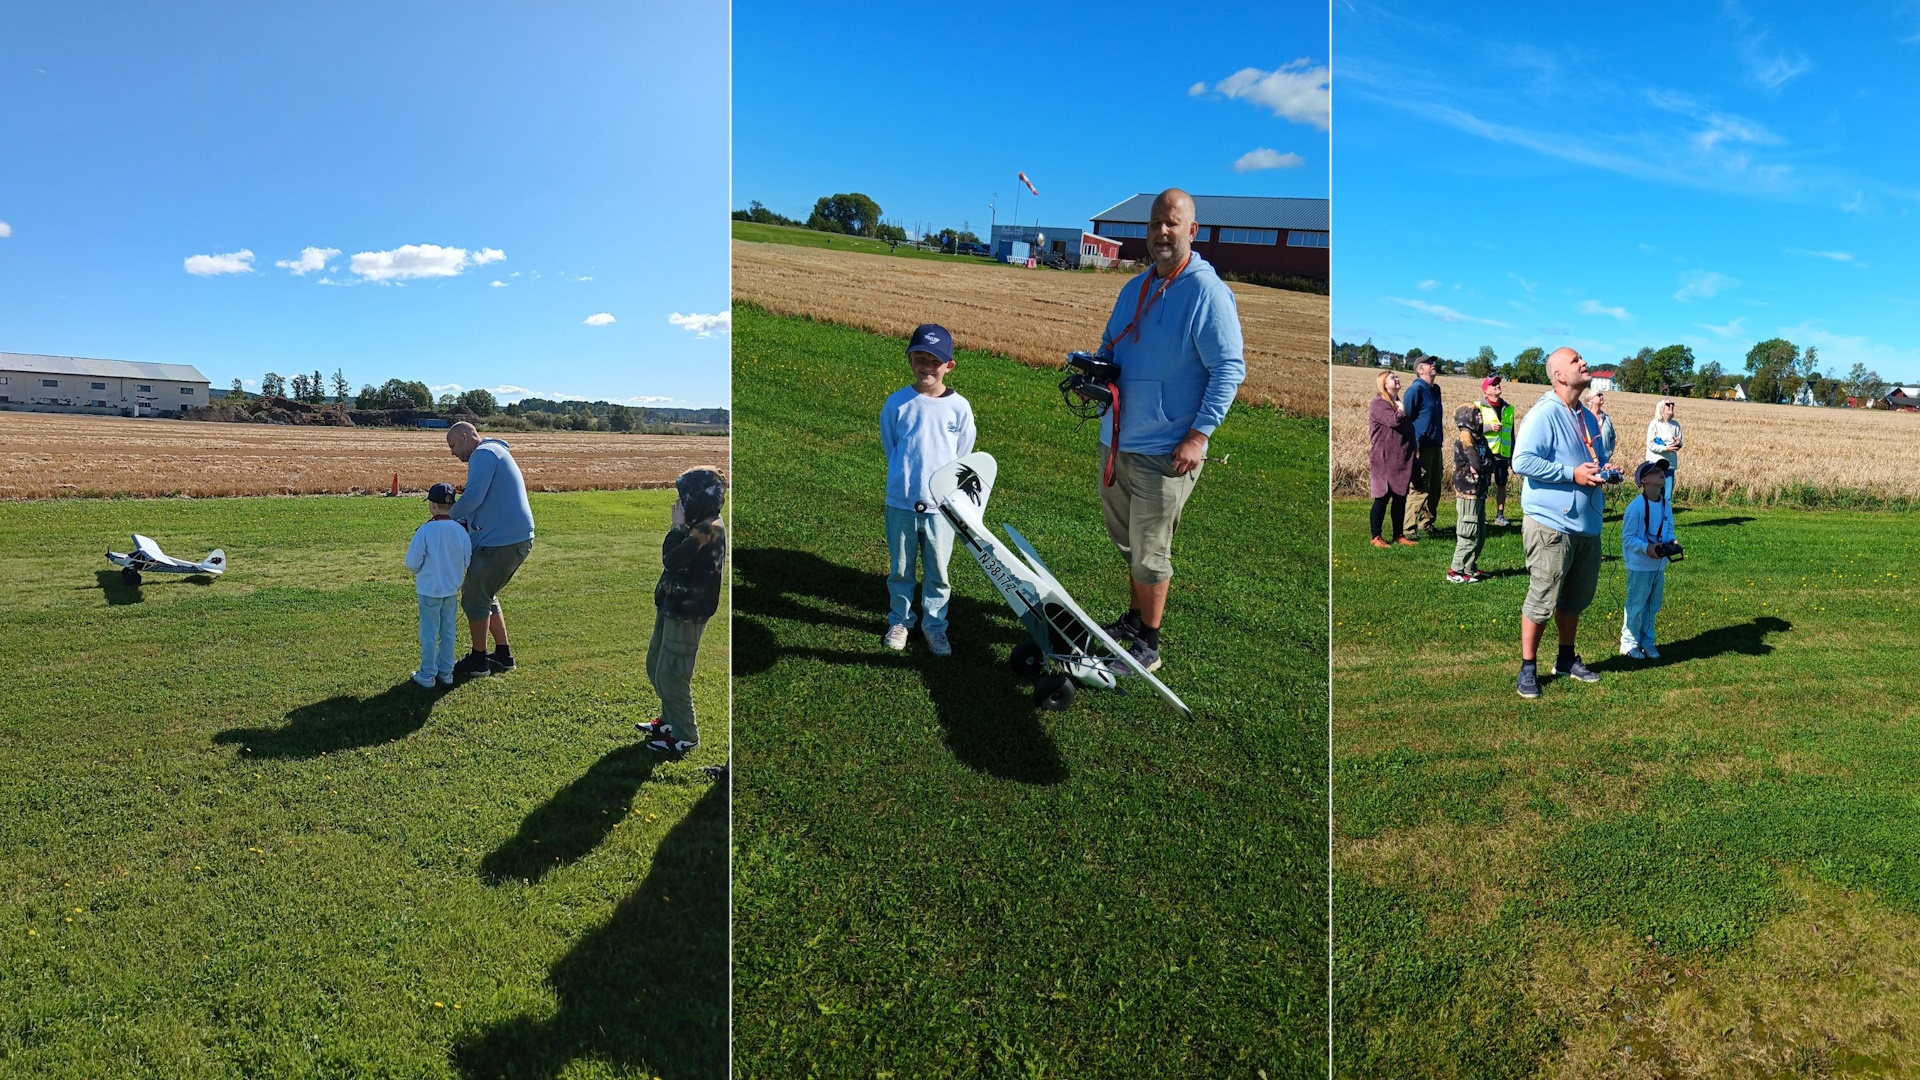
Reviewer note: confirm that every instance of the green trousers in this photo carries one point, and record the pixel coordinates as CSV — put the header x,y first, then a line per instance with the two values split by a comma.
x,y
1469,532
670,658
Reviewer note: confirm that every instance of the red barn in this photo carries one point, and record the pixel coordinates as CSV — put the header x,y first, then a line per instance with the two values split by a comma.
x,y
1271,237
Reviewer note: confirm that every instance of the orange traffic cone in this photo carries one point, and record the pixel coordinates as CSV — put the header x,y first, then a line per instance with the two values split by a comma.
x,y
396,487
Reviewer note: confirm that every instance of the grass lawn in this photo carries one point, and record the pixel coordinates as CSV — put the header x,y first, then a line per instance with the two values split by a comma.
x,y
235,840
798,237
1702,865
933,878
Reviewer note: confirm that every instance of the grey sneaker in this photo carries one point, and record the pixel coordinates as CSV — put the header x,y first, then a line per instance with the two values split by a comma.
x,y
1501,520
937,643
1577,670
1529,686
1144,655
896,638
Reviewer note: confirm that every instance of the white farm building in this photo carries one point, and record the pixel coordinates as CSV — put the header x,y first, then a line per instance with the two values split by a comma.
x,y
77,384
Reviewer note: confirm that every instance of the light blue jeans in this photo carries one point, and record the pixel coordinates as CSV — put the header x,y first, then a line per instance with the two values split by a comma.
x,y
439,616
930,538
1645,590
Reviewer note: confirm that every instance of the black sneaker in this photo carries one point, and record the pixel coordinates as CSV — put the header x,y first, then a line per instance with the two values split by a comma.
x,y
501,659
671,747
1123,629
1577,670
655,728
1529,686
1143,654
474,665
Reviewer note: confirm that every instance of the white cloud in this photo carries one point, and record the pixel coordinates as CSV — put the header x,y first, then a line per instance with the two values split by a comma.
x,y
601,319
1595,307
703,325
410,261
1429,285
1265,158
1442,312
587,278
1836,256
496,284
1197,89
1298,91
238,262
1530,286
447,388
1854,204
311,259
5,229
516,273
488,255
1703,283
1730,330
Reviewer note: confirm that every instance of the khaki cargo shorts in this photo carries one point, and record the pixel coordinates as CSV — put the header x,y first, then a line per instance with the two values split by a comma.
x,y
1142,509
1564,569
488,573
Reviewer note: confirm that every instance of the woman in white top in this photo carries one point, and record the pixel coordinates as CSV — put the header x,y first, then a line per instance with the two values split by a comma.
x,y
1663,439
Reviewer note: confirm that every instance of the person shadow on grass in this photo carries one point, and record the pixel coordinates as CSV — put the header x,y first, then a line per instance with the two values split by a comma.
x,y
341,722
1746,639
645,993
987,715
568,826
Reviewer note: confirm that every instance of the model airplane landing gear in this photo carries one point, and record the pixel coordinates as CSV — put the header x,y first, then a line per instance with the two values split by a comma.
x,y
130,577
1028,660
1054,692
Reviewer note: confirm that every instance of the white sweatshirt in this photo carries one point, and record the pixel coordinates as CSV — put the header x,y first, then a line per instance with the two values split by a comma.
x,y
438,557
919,434
1661,435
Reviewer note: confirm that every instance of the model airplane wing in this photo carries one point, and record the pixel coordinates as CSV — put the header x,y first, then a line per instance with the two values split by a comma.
x,y
147,556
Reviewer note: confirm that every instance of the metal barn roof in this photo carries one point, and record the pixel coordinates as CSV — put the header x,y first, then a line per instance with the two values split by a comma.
x,y
101,369
1235,211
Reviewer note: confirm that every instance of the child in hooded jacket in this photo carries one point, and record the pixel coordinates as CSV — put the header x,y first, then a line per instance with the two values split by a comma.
x,y
686,596
1472,462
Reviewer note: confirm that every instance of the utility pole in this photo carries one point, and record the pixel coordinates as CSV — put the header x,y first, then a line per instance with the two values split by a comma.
x,y
993,219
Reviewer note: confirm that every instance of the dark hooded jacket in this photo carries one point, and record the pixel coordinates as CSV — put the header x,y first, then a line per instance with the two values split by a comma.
x,y
693,556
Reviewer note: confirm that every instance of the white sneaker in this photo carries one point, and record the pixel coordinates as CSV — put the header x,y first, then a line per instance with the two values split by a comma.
x,y
896,638
1652,653
1633,654
937,643
419,681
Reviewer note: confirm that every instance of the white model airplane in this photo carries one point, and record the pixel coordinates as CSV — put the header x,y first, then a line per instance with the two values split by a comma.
x,y
147,556
1068,648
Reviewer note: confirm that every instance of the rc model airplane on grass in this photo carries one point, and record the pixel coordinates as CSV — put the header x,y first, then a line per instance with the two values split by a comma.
x,y
1068,648
147,556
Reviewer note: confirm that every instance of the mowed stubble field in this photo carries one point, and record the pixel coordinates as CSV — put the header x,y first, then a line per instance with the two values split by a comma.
x,y
1735,451
50,455
1034,316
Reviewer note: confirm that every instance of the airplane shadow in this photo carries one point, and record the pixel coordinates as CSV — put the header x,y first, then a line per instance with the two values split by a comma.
x,y
118,592
574,821
987,715
1747,639
645,993
343,722
1713,522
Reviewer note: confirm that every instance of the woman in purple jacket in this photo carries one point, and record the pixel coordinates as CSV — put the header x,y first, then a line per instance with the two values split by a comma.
x,y
1390,458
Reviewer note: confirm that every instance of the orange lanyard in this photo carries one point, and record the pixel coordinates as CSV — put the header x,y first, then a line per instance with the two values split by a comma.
x,y
1143,303
1579,421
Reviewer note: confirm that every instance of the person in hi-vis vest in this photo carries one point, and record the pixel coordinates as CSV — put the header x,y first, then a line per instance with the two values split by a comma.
x,y
1496,421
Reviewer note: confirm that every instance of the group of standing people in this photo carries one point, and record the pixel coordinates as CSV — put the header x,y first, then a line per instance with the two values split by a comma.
x,y
1563,451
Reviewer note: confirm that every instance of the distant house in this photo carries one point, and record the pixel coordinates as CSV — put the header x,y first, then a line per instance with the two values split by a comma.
x,y
1904,398
1064,243
1602,381
1736,392
1805,397
80,384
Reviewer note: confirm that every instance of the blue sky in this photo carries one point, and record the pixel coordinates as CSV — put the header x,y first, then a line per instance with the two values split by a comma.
x,y
1617,176
471,184
931,109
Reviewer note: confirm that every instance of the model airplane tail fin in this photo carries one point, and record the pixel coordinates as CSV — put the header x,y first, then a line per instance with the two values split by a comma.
x,y
216,562
969,478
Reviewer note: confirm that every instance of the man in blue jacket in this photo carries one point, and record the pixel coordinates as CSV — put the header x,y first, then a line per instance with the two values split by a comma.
x,y
1422,403
499,522
1558,451
1175,332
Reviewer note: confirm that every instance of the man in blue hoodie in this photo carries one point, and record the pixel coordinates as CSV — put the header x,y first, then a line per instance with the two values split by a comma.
x,y
499,522
1558,451
1422,405
1175,332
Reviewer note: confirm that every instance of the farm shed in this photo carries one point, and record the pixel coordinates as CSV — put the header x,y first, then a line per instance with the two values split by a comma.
x,y
1238,233
76,384
1602,381
1060,241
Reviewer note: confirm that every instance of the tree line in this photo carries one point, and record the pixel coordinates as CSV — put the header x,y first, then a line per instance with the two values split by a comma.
x,y
851,214
1776,370
404,394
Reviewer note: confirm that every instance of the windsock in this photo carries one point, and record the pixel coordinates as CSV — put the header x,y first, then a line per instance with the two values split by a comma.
x,y
1029,183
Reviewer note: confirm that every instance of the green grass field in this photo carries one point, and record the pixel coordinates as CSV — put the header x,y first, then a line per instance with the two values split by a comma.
x,y
787,234
933,878
235,840
1700,866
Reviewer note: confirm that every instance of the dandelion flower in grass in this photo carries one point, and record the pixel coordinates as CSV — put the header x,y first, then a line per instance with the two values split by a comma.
x,y
437,1005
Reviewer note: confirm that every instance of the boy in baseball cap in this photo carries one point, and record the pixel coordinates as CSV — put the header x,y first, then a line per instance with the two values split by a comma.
x,y
923,426
438,558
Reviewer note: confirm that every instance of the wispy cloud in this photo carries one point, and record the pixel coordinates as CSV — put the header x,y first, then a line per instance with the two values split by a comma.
x,y
1703,284
1595,307
1529,286
488,255
496,284
1836,256
1442,312
311,259
1298,91
408,262
1733,329
1769,67
601,319
5,229
1429,285
703,325
1265,158
507,392
237,262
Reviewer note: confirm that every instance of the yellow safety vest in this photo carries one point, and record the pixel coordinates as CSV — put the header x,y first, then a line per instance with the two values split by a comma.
x,y
1499,443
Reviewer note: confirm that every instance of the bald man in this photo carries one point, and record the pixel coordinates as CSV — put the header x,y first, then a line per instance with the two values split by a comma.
x,y
1175,332
1558,451
499,522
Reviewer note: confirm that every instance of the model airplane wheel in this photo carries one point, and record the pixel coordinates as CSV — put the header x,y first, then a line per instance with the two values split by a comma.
x,y
130,576
1053,692
1028,660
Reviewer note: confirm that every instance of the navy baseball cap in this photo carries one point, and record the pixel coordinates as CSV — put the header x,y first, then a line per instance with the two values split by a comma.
x,y
932,338
1658,465
442,494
